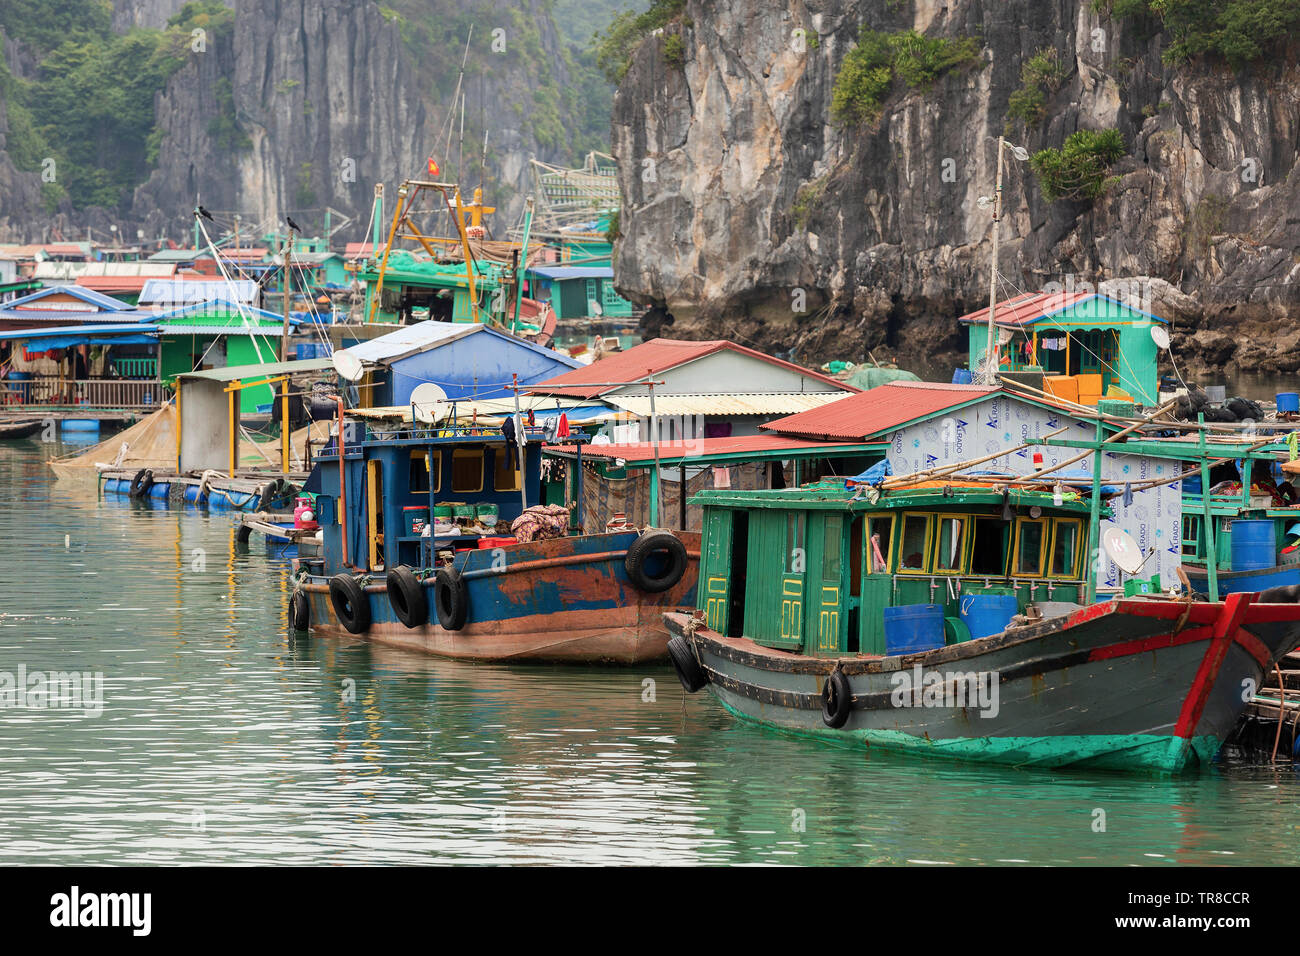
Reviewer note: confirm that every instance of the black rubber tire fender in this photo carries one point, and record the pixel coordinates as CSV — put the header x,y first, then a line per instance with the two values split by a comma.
x,y
351,606
141,483
450,599
243,533
651,543
688,669
837,700
299,611
406,596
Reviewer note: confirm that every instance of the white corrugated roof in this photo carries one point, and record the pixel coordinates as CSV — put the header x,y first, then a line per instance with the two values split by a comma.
x,y
733,403
409,339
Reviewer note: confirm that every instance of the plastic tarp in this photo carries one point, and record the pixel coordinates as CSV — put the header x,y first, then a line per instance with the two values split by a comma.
x,y
869,376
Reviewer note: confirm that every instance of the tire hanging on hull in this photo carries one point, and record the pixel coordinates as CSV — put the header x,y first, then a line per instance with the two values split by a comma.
x,y
406,596
351,606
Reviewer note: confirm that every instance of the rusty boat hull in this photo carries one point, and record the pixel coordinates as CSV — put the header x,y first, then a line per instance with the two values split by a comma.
x,y
565,600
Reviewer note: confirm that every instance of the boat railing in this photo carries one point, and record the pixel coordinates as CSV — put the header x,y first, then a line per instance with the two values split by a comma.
x,y
49,391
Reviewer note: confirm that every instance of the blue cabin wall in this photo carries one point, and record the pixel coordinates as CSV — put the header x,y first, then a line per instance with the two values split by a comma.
x,y
397,494
475,366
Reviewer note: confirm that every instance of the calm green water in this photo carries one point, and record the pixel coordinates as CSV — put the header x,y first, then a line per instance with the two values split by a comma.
x,y
222,741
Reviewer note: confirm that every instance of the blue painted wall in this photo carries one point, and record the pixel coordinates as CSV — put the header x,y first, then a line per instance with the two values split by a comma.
x,y
478,365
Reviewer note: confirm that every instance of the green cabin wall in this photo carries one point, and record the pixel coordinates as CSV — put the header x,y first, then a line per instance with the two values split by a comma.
x,y
821,606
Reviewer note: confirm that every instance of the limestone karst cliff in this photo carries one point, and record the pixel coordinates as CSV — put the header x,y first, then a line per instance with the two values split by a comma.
x,y
743,196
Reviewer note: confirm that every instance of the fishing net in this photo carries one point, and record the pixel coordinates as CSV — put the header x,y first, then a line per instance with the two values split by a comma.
x,y
149,443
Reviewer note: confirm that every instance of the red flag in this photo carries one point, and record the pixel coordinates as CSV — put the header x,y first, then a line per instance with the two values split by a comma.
x,y
433,167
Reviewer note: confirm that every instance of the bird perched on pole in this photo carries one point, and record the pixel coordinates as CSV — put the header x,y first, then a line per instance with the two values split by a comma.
x,y
292,225
202,211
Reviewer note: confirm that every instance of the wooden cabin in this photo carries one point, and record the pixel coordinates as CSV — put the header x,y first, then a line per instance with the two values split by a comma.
x,y
812,570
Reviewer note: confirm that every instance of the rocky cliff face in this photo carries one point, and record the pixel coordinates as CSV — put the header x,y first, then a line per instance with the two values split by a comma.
x,y
743,200
307,104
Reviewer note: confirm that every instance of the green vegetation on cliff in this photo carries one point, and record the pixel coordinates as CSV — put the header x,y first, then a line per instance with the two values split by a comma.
x,y
1078,169
1239,31
86,120
616,44
1040,76
870,69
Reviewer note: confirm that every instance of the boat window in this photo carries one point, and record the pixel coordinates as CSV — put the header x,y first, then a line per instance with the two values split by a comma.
x,y
912,548
467,470
989,546
1030,547
831,552
418,477
504,478
796,556
880,533
1065,549
1192,536
952,540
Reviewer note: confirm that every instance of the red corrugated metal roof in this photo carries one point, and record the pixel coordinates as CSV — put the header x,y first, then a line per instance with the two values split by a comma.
x,y
1027,308
881,409
114,283
643,452
657,355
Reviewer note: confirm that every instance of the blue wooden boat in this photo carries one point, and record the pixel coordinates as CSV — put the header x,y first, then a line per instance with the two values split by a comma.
x,y
463,589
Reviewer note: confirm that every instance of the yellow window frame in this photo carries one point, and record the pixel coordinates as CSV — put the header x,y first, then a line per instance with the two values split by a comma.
x,y
963,553
1042,551
1078,548
434,468
887,551
927,552
499,457
463,453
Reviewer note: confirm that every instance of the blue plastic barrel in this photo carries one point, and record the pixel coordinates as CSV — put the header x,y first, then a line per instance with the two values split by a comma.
x,y
911,628
158,490
962,376
192,494
1192,485
307,350
80,425
986,614
110,486
1254,544
1288,401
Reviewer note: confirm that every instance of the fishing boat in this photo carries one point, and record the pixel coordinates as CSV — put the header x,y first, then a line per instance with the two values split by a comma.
x,y
1254,528
417,552
21,429
949,619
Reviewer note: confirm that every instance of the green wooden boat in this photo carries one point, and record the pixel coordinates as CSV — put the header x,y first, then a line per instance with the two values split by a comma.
x,y
791,630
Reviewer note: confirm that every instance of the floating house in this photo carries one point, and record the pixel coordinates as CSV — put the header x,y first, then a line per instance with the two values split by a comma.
x,y
577,292
917,426
467,360
62,306
711,389
1088,346
218,334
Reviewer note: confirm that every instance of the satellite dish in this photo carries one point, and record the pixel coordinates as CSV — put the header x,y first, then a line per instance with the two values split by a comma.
x,y
1122,549
428,403
348,365
1160,335
1020,153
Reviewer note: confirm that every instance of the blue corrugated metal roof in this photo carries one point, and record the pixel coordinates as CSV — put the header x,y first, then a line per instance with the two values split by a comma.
x,y
105,302
410,340
171,291
58,337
